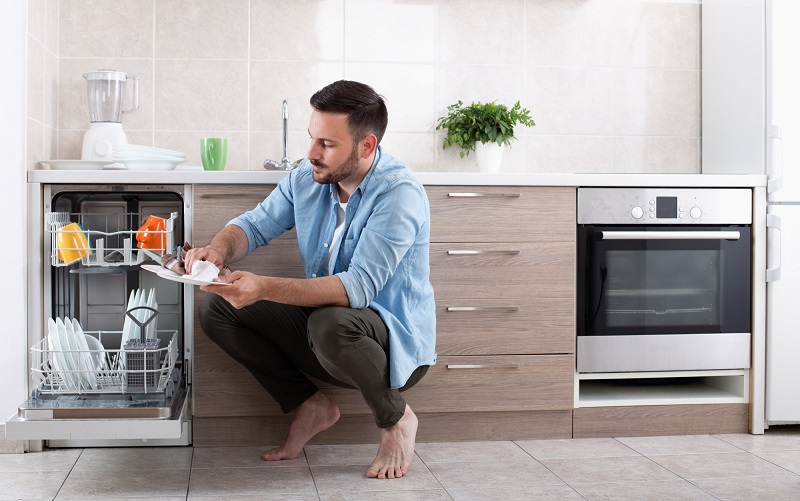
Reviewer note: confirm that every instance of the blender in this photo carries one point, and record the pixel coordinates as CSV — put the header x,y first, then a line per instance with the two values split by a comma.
x,y
106,96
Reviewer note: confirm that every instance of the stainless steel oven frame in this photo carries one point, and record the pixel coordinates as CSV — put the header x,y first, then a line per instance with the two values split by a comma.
x,y
633,221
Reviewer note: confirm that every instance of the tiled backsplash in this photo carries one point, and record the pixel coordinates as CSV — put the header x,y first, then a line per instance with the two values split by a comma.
x,y
614,86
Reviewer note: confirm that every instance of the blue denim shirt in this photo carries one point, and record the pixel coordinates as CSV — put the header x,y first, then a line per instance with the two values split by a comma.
x,y
383,259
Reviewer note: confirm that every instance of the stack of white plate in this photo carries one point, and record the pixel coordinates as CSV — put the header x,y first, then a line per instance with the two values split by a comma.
x,y
139,157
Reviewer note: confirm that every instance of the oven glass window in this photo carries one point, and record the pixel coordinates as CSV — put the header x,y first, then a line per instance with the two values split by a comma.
x,y
662,288
642,286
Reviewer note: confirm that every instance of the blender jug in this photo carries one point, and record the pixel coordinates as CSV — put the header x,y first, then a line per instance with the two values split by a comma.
x,y
105,90
106,95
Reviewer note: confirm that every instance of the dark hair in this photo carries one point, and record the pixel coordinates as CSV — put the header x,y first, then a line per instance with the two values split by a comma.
x,y
365,109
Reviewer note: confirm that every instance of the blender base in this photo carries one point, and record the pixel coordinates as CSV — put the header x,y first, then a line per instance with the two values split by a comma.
x,y
99,140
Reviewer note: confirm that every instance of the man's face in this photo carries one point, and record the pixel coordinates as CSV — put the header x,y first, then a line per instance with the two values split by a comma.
x,y
332,152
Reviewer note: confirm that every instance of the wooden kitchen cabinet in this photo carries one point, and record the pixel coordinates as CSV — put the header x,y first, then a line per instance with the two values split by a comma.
x,y
502,268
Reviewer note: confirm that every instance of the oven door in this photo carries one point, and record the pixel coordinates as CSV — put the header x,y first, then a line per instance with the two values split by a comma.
x,y
660,298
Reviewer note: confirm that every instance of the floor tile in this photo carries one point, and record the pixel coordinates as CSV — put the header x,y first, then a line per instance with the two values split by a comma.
x,y
619,469
31,485
699,466
135,458
493,475
240,457
270,483
466,452
554,492
679,444
348,478
47,460
107,484
424,495
575,448
790,460
768,488
351,454
771,440
660,490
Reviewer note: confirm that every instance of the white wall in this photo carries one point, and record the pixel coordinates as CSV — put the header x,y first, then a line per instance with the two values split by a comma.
x,y
13,339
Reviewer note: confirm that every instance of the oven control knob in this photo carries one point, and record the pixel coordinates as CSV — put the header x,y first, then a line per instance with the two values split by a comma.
x,y
695,212
637,212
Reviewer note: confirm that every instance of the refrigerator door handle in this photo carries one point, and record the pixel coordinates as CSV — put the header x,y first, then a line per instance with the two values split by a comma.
x,y
774,273
775,152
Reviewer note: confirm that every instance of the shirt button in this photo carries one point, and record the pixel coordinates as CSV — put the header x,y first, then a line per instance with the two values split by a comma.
x,y
313,275
325,245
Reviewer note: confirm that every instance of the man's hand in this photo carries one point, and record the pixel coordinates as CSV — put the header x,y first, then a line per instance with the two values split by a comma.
x,y
202,254
245,289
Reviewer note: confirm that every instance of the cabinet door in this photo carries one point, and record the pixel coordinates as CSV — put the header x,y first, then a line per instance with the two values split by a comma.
x,y
496,383
501,213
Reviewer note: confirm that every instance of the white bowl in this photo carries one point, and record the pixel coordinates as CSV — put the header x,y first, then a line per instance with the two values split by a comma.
x,y
148,150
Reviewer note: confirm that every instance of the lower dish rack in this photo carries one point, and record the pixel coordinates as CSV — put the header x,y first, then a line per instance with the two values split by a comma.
x,y
137,367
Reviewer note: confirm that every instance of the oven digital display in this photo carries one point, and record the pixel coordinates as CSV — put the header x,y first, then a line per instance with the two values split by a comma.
x,y
667,207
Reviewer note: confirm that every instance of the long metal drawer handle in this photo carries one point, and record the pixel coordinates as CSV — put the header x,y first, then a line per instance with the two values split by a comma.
x,y
482,366
472,195
669,235
484,251
483,308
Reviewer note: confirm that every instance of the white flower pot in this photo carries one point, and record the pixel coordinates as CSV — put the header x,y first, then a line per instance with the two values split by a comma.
x,y
490,156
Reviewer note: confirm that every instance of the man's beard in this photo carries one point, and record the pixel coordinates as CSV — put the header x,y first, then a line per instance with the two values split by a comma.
x,y
330,176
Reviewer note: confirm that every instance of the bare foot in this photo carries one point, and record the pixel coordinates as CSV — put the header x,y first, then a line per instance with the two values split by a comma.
x,y
397,448
316,414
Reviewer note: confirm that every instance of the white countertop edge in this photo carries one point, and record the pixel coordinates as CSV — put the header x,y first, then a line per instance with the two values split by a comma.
x,y
181,176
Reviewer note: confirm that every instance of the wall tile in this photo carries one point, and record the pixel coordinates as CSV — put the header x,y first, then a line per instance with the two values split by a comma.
x,y
666,155
50,87
409,36
269,146
409,90
573,153
297,29
51,26
202,29
416,150
273,81
484,83
37,15
36,81
481,32
35,139
201,95
95,28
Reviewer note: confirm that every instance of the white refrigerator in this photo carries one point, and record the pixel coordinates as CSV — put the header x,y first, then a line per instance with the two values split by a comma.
x,y
782,395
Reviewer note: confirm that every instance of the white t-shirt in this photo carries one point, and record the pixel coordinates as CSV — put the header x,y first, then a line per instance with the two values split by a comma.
x,y
333,249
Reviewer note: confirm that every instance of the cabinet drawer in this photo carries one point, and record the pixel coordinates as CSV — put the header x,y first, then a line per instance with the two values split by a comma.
x,y
495,383
215,205
501,213
503,270
507,326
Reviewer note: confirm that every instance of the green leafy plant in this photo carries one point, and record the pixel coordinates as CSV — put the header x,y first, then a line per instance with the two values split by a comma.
x,y
481,122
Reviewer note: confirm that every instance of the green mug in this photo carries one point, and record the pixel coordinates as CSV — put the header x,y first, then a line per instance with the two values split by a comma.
x,y
213,152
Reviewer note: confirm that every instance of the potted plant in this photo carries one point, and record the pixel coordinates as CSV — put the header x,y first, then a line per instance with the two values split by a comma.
x,y
485,128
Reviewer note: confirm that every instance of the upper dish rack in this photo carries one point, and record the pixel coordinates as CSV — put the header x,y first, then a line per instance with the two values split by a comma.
x,y
105,239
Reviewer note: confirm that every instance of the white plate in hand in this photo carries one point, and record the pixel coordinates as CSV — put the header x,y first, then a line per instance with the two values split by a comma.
x,y
177,277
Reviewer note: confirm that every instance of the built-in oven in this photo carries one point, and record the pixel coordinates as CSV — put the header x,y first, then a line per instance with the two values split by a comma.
x,y
664,279
109,341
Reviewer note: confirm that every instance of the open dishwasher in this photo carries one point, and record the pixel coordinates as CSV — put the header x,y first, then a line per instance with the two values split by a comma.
x,y
110,357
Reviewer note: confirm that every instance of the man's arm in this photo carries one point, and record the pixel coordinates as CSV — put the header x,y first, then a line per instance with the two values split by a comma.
x,y
248,288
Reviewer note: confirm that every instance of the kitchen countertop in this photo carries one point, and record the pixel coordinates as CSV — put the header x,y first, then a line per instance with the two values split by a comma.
x,y
194,176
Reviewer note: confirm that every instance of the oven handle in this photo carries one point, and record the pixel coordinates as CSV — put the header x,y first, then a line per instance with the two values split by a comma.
x,y
668,235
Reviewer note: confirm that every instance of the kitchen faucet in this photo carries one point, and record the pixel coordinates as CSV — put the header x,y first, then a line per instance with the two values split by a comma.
x,y
284,164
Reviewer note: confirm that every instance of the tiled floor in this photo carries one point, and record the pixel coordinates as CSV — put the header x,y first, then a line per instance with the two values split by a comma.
x,y
707,467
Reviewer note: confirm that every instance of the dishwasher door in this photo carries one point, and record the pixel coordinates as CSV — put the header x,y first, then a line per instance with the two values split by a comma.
x,y
119,408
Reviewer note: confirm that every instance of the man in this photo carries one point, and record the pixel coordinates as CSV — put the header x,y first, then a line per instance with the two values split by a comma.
x,y
364,317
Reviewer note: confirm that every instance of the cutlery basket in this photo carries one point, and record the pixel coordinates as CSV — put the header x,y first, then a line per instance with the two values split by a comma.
x,y
138,367
111,238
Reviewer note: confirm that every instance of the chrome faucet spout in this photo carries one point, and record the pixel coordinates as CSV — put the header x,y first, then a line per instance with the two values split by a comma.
x,y
284,164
